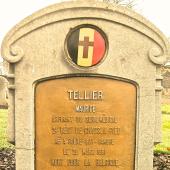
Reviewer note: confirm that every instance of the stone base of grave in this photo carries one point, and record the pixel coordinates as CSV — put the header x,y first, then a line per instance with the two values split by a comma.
x,y
3,106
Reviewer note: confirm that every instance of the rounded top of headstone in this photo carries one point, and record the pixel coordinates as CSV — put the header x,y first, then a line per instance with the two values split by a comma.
x,y
82,9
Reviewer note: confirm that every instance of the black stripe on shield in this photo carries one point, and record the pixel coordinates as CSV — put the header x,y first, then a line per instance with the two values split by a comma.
x,y
72,45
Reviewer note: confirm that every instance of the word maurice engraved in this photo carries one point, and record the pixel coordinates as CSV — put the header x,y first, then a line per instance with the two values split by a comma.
x,y
85,108
85,95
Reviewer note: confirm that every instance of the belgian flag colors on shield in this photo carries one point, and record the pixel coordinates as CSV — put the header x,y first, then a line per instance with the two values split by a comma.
x,y
86,47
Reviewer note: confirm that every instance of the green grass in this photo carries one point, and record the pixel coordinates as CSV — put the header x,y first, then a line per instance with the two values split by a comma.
x,y
164,147
3,127
166,108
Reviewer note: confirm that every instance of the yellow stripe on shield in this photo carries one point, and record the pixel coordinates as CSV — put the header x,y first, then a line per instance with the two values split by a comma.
x,y
85,48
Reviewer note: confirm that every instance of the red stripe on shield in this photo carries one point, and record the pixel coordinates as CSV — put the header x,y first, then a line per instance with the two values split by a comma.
x,y
99,48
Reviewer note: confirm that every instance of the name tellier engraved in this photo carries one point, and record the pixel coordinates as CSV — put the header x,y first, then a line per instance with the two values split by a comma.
x,y
85,95
85,127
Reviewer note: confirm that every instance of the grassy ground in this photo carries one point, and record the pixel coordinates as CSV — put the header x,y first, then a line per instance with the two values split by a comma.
x,y
3,127
164,147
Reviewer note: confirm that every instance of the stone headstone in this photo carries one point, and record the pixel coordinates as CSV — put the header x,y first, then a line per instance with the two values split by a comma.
x,y
3,93
166,86
85,88
166,80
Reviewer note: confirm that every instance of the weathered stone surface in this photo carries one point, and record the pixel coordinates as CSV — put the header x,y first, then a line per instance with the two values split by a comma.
x,y
3,93
35,49
166,86
166,80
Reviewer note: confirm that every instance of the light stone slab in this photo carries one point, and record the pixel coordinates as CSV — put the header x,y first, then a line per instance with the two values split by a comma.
x,y
34,50
3,92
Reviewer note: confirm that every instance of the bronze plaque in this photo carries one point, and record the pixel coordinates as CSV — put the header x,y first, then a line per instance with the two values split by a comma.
x,y
85,123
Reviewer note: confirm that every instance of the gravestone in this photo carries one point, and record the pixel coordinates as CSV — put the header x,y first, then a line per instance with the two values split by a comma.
x,y
166,80
166,86
3,89
85,88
